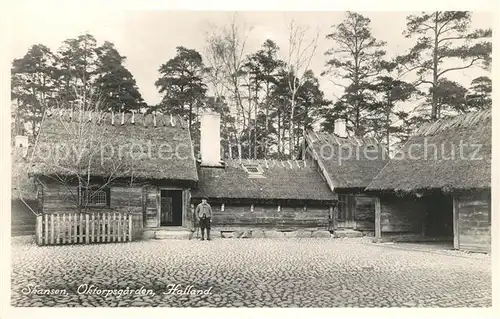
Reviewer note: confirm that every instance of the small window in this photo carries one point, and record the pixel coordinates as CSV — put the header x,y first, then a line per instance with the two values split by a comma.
x,y
253,169
95,197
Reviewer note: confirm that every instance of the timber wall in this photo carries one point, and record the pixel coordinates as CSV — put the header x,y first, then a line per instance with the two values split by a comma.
x,y
401,215
268,217
364,212
22,219
474,221
59,199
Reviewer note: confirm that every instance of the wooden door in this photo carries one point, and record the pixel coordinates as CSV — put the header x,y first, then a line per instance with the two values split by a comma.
x,y
345,212
171,208
166,216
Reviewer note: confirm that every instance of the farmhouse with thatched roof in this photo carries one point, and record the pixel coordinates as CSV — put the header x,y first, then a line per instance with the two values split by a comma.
x,y
348,165
249,194
266,194
144,165
442,176
108,163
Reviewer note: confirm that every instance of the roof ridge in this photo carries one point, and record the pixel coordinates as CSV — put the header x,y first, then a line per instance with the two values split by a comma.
x,y
335,139
118,118
462,120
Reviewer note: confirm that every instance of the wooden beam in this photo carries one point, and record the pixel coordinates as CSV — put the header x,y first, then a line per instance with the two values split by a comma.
x,y
158,206
456,240
323,169
378,210
332,213
87,228
130,228
184,196
39,230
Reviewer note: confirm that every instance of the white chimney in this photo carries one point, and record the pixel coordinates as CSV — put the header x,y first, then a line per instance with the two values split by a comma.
x,y
21,141
210,138
340,128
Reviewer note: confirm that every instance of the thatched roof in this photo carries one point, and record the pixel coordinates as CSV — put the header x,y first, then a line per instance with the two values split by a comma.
x,y
432,158
156,147
349,162
282,180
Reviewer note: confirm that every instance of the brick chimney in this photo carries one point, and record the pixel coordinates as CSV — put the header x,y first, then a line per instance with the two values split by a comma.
x,y
210,139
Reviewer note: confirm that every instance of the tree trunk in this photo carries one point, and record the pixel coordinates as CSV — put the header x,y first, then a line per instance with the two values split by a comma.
x,y
279,132
255,124
190,116
291,129
387,124
266,129
435,61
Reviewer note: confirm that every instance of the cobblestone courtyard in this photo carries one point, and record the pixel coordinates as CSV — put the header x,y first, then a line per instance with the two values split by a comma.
x,y
248,273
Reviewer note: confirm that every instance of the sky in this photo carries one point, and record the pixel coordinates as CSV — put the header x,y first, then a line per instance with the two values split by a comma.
x,y
150,38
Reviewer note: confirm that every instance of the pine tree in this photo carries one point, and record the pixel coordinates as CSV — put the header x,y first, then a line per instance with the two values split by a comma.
x,y
442,37
114,81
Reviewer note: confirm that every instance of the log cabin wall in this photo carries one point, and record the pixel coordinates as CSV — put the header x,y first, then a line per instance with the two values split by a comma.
x,y
474,221
360,214
150,203
142,199
57,198
364,212
62,198
401,215
268,216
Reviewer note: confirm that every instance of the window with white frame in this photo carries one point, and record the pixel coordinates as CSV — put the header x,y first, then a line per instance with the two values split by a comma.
x,y
95,196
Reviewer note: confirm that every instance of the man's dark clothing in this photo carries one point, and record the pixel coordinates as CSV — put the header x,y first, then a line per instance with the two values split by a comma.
x,y
204,214
205,223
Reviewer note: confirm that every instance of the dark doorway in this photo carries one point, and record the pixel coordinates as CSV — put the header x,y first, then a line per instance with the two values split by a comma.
x,y
439,216
171,208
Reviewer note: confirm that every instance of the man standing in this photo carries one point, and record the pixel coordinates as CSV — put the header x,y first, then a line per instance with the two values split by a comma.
x,y
204,214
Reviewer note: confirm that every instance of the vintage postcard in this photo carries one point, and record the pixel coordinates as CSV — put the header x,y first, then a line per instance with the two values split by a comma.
x,y
335,159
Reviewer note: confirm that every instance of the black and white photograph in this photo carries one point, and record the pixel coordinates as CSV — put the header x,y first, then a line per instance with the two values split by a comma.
x,y
282,159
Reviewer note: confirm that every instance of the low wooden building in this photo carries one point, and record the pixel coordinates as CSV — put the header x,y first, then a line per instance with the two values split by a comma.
x,y
348,164
259,194
438,185
24,205
266,194
102,163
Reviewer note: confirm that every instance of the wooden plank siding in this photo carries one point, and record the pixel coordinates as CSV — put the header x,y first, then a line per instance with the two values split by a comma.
x,y
474,221
401,214
67,224
268,216
364,212
151,206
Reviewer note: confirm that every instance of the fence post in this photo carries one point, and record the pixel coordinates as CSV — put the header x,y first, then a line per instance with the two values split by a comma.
x,y
378,212
46,229
39,229
130,228
87,228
